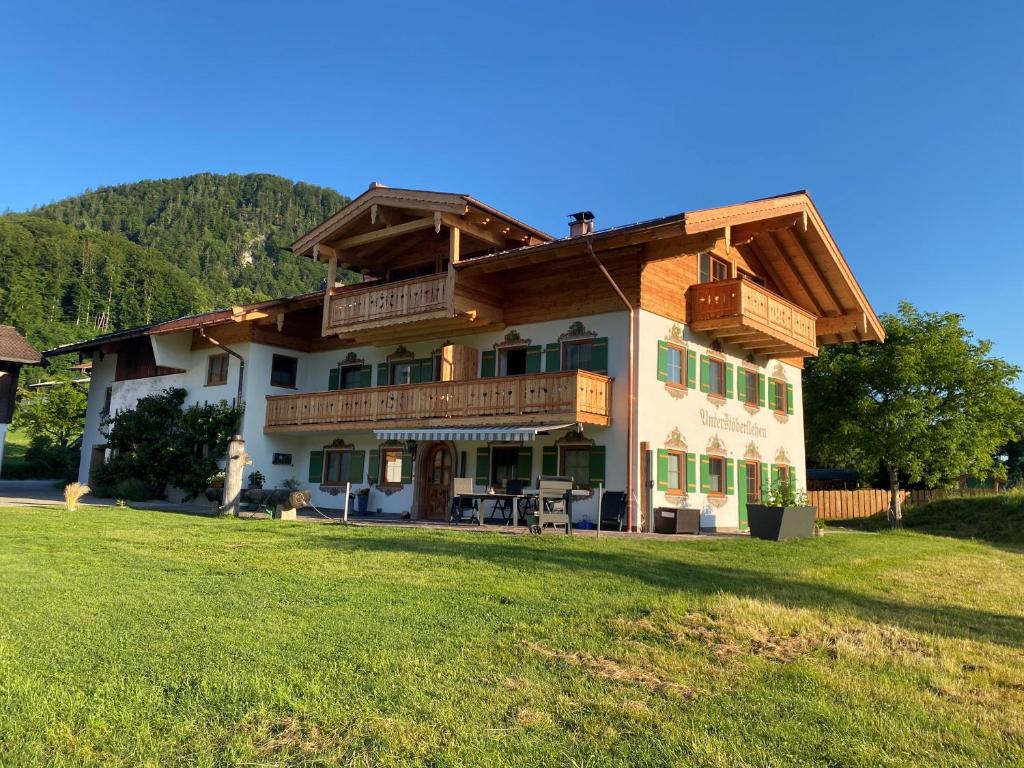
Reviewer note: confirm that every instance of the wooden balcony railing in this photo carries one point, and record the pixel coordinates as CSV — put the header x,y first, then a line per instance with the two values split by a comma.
x,y
752,317
541,398
379,304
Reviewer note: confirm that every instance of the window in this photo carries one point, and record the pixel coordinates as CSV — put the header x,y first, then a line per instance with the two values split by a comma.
x,y
504,465
753,481
751,384
283,371
401,373
714,268
780,397
217,370
674,357
716,373
282,458
576,464
577,355
107,397
783,472
337,465
716,474
676,472
512,362
351,377
391,466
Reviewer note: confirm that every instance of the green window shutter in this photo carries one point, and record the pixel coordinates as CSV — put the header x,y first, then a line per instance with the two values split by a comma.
x,y
316,466
553,359
662,361
356,466
597,473
365,376
691,369
599,356
705,474
789,399
549,460
730,372
691,473
533,355
771,394
414,372
406,467
483,466
765,477
525,468
760,389
730,476
705,373
662,470
332,378
792,478
382,374
488,363
741,385
373,470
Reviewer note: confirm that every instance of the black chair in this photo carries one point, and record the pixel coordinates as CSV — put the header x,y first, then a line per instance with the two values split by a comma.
x,y
514,488
463,504
613,510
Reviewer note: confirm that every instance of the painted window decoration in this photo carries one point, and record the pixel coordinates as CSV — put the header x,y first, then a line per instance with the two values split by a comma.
x,y
283,371
217,370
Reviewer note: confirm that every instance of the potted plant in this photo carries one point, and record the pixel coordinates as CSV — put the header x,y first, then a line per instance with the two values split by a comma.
x,y
215,487
782,514
819,527
255,490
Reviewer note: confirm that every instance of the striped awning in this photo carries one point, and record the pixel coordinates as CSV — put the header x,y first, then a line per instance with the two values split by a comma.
x,y
486,434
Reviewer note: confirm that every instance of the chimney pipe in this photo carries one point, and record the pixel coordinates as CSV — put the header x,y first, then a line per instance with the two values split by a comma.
x,y
581,223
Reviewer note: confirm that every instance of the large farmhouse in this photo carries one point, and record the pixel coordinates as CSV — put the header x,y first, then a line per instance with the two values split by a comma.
x,y
477,346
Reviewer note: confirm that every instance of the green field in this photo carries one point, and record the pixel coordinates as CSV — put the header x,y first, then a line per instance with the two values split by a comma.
x,y
145,638
15,446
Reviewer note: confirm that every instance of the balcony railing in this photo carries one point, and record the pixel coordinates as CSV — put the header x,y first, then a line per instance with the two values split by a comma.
x,y
543,398
752,317
378,304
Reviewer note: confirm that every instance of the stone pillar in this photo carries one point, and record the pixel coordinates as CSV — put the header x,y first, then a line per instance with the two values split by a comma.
x,y
233,476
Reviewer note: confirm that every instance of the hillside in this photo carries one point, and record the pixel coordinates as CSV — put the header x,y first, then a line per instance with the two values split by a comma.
x,y
121,256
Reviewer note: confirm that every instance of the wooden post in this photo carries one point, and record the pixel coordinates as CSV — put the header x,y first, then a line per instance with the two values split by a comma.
x,y
454,239
348,488
600,500
233,476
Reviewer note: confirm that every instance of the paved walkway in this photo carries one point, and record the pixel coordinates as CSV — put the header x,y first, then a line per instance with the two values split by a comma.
x,y
47,493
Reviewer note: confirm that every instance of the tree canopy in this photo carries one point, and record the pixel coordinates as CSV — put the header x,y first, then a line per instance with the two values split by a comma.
x,y
931,402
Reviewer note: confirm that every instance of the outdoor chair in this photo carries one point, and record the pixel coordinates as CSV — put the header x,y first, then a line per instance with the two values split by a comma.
x,y
613,510
504,506
462,502
551,506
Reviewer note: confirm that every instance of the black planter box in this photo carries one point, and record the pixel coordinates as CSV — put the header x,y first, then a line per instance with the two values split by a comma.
x,y
781,523
671,520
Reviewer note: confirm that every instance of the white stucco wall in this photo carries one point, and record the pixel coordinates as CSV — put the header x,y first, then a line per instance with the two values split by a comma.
x,y
661,411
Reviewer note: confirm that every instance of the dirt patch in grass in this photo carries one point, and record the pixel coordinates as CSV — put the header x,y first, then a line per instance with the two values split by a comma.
x,y
612,670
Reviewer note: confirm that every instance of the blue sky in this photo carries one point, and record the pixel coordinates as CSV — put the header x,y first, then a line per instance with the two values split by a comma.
x,y
904,120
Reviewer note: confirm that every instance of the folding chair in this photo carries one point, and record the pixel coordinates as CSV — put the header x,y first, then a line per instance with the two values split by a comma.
x,y
613,510
462,501
514,488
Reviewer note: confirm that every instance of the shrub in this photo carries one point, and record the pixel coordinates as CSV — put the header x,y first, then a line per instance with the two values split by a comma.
x,y
133,489
44,459
73,492
784,495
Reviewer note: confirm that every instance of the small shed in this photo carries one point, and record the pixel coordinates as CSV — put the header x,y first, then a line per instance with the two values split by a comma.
x,y
15,352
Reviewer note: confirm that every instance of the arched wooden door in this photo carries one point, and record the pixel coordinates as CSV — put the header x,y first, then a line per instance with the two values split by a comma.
x,y
439,482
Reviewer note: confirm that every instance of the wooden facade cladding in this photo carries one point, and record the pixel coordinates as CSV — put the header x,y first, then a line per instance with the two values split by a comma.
x,y
749,316
421,298
546,398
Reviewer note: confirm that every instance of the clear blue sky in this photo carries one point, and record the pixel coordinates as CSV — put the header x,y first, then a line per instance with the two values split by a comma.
x,y
904,120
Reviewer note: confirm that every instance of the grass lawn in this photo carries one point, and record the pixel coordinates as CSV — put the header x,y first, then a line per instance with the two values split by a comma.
x,y
146,638
15,446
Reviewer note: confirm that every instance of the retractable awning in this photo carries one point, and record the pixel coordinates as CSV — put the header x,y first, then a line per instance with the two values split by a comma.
x,y
486,434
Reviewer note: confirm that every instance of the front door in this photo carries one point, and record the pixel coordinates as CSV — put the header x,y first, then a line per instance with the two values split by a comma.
x,y
439,482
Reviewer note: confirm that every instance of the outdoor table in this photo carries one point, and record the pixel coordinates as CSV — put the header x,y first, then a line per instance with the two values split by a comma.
x,y
513,497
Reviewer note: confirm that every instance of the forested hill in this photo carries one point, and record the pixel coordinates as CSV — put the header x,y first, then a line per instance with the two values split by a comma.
x,y
136,253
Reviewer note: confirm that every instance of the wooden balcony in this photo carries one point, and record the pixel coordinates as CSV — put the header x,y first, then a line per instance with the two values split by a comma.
x,y
543,398
434,302
743,313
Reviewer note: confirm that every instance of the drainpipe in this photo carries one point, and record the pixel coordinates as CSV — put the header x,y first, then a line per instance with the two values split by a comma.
x,y
236,457
631,377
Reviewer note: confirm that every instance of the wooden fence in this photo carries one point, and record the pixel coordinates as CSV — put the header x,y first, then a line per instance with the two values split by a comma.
x,y
864,502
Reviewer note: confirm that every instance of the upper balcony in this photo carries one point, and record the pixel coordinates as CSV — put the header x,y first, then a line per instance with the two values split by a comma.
x,y
542,398
743,313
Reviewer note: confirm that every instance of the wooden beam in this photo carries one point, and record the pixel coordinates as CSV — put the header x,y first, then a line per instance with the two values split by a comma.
x,y
774,239
322,250
768,267
332,277
453,245
850,322
805,249
381,234
480,233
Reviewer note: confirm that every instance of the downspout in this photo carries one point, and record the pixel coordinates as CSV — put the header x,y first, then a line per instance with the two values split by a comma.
x,y
241,370
631,419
